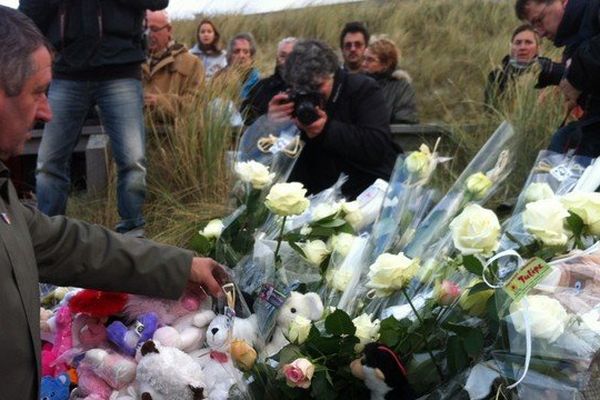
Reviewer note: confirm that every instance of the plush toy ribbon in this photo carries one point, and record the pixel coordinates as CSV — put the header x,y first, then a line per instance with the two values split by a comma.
x,y
520,262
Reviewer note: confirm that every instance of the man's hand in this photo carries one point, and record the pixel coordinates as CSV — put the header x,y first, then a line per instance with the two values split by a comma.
x,y
209,274
316,128
280,108
150,100
571,94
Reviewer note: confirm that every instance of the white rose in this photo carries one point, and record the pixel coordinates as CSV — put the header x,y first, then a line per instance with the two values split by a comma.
x,y
478,185
341,243
587,207
254,173
305,230
299,329
418,162
391,272
213,229
340,279
547,317
538,191
352,213
315,251
325,210
544,219
286,199
476,230
366,331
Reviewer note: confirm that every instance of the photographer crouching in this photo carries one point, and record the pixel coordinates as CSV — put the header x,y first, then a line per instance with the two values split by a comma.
x,y
343,118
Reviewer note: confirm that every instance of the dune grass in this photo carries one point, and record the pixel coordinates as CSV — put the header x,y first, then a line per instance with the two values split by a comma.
x,y
448,47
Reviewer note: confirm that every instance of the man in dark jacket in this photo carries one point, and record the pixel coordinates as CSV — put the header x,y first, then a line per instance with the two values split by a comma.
x,y
37,248
100,49
257,102
574,25
349,132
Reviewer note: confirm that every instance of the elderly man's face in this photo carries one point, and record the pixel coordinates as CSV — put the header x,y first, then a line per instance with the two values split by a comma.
x,y
18,114
545,17
283,52
159,31
353,49
240,54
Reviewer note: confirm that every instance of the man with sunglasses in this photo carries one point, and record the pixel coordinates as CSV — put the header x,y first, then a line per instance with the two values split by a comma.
x,y
99,51
353,43
574,25
171,75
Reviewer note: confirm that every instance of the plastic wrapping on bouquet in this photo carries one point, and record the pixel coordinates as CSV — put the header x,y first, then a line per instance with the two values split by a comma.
x,y
270,299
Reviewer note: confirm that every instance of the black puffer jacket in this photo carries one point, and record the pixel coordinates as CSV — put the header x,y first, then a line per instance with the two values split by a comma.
x,y
356,139
91,34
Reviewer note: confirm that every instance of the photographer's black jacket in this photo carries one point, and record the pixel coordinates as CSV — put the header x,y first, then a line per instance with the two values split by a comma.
x,y
94,39
356,139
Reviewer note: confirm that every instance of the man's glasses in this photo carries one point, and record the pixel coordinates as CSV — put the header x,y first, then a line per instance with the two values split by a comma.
x,y
350,45
157,29
538,22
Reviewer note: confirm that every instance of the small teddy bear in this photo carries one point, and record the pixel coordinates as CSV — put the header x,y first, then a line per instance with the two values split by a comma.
x,y
166,373
187,333
55,388
307,305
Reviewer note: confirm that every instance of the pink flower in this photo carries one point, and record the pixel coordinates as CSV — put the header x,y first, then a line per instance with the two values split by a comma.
x,y
447,293
299,373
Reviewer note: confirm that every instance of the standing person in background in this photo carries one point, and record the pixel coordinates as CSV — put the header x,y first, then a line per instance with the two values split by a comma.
x,y
380,62
574,25
353,42
99,55
240,63
208,48
171,75
257,103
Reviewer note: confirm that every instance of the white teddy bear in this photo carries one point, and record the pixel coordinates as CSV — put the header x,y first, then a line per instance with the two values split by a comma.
x,y
167,373
216,364
307,305
187,333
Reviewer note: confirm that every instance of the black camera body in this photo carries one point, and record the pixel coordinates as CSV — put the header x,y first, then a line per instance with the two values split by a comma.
x,y
305,105
550,72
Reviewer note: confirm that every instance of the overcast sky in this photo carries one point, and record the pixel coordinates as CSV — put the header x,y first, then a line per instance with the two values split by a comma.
x,y
187,8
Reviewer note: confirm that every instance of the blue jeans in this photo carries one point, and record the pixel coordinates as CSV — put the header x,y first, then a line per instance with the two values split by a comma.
x,y
121,111
565,138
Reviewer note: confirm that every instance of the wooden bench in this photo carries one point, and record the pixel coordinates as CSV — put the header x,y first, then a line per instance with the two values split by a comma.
x,y
93,144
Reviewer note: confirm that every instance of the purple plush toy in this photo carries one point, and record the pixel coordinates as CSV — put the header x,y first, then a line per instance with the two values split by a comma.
x,y
129,339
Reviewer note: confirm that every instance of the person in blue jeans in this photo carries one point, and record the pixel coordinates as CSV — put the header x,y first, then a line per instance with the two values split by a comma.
x,y
100,49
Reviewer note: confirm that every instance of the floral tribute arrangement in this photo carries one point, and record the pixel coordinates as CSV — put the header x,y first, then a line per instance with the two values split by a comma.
x,y
398,294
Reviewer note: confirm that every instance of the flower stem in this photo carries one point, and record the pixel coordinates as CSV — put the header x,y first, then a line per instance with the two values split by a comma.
x,y
412,306
280,239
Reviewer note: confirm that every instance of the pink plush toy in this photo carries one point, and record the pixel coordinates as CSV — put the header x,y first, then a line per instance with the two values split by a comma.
x,y
101,373
61,323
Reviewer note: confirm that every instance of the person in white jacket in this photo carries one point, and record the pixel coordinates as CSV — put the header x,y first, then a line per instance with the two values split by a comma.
x,y
208,48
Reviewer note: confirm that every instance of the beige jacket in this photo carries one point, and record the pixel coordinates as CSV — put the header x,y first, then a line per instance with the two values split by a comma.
x,y
175,79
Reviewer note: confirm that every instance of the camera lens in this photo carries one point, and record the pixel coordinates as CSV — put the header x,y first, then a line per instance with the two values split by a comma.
x,y
306,112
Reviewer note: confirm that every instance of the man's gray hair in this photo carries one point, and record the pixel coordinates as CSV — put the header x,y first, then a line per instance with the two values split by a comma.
x,y
247,36
19,39
310,61
287,40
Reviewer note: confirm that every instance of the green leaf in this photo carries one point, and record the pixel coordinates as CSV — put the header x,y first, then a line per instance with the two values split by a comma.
x,y
321,386
201,244
473,265
297,248
339,323
336,223
289,353
575,224
473,342
479,287
457,357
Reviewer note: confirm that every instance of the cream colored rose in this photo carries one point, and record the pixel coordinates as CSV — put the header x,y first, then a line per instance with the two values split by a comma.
x,y
340,279
476,230
352,213
325,210
213,229
299,329
391,272
287,199
547,317
478,185
315,251
341,243
367,331
544,219
418,162
538,191
587,207
254,173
